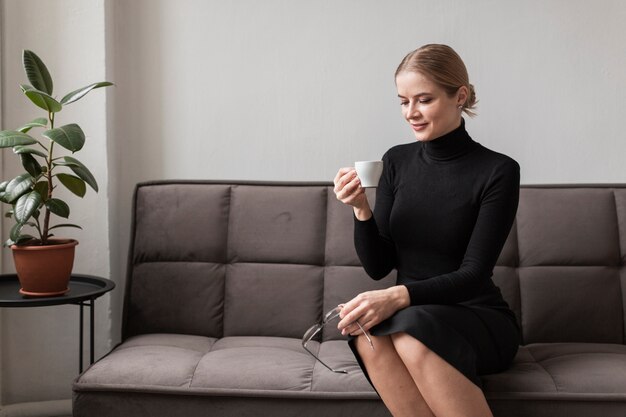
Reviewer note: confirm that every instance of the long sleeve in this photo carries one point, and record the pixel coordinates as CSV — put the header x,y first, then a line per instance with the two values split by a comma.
x,y
373,243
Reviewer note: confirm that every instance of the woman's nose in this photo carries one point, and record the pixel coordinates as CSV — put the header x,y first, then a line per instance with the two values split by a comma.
x,y
412,111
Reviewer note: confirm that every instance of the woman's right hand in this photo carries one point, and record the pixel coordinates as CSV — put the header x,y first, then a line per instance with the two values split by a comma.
x,y
348,190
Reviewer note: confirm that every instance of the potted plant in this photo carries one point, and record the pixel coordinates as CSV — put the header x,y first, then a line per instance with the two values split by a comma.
x,y
44,263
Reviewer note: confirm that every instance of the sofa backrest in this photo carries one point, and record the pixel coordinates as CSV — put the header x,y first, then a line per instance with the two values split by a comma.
x,y
562,269
268,259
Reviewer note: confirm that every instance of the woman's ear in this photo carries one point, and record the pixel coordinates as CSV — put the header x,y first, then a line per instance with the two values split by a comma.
x,y
461,95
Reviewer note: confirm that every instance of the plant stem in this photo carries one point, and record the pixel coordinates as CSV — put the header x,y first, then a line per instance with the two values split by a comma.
x,y
46,219
38,227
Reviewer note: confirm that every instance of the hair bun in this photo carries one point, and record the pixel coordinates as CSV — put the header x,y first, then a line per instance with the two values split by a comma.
x,y
471,100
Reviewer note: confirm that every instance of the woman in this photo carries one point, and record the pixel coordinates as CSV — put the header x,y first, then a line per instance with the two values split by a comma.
x,y
444,208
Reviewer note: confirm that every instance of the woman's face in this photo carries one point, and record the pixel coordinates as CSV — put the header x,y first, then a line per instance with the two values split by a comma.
x,y
427,107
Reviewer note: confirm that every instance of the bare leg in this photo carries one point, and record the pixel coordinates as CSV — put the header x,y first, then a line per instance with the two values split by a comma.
x,y
391,378
446,390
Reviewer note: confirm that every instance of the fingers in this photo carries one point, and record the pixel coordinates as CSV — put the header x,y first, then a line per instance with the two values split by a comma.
x,y
367,309
357,328
348,188
351,191
342,172
345,181
352,330
350,314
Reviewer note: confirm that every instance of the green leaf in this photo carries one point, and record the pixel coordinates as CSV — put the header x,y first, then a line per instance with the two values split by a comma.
x,y
81,92
58,207
3,194
80,170
17,187
25,149
10,138
74,184
65,225
41,99
16,235
38,122
26,206
42,188
37,72
30,164
71,136
16,231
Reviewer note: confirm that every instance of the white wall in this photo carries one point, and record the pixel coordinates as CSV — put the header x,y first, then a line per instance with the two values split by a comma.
x,y
217,87
292,90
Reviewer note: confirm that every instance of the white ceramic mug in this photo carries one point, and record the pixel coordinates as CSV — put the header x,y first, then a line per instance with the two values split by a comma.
x,y
369,172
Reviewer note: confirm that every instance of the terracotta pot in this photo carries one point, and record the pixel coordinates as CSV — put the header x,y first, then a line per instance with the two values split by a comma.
x,y
44,271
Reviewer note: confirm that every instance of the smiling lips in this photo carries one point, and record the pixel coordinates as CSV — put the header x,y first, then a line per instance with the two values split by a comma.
x,y
419,126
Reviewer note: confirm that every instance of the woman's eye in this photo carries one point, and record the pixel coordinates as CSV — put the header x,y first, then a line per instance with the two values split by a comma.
x,y
404,103
425,100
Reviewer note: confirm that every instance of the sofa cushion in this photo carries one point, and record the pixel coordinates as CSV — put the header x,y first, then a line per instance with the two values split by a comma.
x,y
194,376
277,224
567,227
153,360
177,297
339,231
586,369
561,379
271,299
239,366
570,262
164,232
273,367
583,304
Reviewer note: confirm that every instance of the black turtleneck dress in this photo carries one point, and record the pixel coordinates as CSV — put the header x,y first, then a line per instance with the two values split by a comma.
x,y
444,209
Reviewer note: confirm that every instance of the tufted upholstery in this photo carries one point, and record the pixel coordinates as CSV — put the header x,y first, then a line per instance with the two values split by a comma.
x,y
224,278
563,260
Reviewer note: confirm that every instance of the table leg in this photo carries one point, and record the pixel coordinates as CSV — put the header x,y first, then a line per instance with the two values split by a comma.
x,y
91,326
92,315
80,341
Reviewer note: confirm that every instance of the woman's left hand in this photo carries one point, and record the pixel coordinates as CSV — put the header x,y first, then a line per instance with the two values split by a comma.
x,y
371,307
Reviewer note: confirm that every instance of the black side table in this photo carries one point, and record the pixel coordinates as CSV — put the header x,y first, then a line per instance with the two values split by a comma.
x,y
84,289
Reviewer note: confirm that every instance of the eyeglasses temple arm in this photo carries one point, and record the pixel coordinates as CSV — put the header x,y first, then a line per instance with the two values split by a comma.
x,y
322,362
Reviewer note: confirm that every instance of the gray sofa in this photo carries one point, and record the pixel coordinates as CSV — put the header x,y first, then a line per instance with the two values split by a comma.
x,y
224,279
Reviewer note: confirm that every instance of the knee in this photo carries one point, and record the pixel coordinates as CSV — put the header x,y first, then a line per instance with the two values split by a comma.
x,y
411,350
382,348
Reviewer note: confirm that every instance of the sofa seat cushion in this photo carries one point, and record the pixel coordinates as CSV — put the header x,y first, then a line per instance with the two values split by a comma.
x,y
551,379
561,380
580,371
234,366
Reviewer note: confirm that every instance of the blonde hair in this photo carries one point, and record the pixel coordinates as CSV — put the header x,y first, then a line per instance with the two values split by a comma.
x,y
445,67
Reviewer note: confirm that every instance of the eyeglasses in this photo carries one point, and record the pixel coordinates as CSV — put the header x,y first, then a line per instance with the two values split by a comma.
x,y
316,328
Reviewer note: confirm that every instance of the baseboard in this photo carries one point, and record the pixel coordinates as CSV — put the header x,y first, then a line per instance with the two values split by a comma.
x,y
58,408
